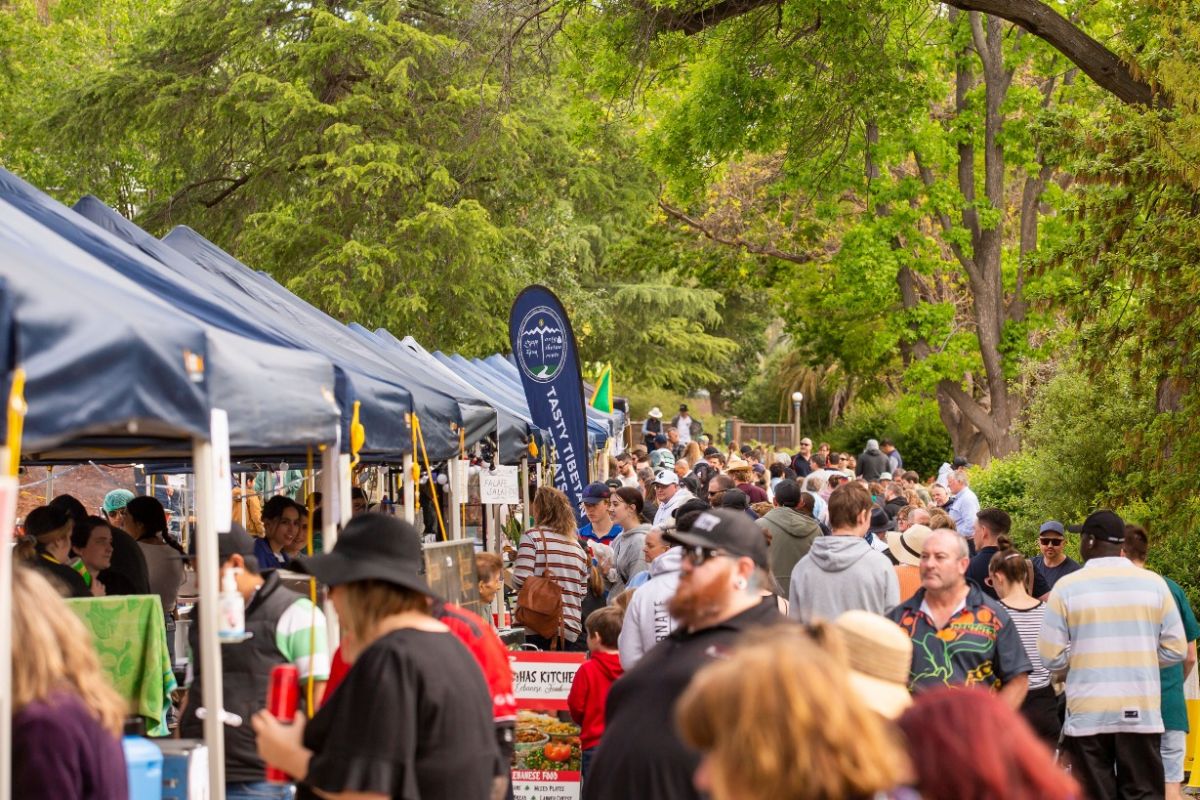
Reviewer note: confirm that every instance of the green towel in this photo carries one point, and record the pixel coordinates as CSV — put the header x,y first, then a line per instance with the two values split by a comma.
x,y
130,636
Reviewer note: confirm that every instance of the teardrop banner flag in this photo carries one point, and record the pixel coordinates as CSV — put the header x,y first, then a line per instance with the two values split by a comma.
x,y
543,346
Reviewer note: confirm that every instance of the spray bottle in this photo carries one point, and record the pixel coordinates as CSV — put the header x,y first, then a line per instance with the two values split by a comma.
x,y
231,607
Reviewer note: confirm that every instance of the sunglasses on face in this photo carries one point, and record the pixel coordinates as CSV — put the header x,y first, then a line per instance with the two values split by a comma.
x,y
1046,540
697,554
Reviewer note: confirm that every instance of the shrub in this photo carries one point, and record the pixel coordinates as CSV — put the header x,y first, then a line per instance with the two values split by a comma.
x,y
912,423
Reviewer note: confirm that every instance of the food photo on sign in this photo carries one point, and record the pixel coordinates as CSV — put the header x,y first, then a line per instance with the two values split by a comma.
x,y
548,752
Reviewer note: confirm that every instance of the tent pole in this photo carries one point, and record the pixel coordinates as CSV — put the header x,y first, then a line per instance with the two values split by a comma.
x,y
455,504
330,497
10,488
207,568
526,521
410,491
345,509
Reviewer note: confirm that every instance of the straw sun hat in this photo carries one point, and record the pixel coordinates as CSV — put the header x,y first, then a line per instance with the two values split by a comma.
x,y
879,653
906,545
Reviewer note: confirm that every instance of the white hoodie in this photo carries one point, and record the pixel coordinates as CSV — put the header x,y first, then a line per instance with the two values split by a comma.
x,y
647,621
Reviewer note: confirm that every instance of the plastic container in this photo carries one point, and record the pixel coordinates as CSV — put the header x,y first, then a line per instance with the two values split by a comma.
x,y
144,766
231,609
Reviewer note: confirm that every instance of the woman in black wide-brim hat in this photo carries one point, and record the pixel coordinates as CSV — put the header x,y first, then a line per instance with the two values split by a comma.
x,y
413,718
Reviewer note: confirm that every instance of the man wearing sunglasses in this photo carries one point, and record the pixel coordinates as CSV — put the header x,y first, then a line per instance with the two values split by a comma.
x,y
1053,564
722,572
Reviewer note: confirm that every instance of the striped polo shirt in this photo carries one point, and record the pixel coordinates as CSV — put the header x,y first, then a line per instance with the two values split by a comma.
x,y
1111,625
568,567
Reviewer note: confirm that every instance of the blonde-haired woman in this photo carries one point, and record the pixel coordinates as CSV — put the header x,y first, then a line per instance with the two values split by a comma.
x,y
67,719
553,546
413,717
798,730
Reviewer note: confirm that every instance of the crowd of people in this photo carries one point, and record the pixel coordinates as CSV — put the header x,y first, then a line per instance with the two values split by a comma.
x,y
808,625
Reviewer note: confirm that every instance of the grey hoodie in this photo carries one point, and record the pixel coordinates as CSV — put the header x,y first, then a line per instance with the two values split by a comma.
x,y
792,533
841,573
647,621
627,559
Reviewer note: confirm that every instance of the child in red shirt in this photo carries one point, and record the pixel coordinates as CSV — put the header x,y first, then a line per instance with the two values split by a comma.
x,y
589,691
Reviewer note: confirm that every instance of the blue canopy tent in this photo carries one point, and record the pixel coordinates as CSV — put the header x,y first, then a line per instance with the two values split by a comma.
x,y
439,414
480,418
599,424
103,368
613,423
110,366
210,296
232,365
513,430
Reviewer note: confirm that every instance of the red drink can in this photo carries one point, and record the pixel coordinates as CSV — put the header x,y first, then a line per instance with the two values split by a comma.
x,y
283,696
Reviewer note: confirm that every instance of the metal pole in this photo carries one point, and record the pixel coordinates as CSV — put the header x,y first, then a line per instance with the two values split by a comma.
x,y
454,500
796,412
410,491
207,566
525,517
329,526
11,489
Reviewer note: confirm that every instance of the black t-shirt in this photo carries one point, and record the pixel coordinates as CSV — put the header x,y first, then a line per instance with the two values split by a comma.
x,y
129,561
977,571
640,755
413,719
1051,575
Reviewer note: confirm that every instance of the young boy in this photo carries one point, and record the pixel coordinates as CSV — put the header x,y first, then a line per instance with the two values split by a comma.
x,y
590,688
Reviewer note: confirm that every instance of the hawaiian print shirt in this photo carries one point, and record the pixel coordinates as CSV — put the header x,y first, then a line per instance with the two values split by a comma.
x,y
979,646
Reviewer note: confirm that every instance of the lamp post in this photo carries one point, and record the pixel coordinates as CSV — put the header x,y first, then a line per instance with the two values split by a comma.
x,y
797,399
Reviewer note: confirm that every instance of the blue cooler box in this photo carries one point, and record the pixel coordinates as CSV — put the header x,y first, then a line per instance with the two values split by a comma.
x,y
185,769
144,764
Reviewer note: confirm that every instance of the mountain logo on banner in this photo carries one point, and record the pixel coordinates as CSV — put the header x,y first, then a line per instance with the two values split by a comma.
x,y
541,344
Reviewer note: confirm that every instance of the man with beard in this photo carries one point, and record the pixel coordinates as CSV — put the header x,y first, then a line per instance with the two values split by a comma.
x,y
719,597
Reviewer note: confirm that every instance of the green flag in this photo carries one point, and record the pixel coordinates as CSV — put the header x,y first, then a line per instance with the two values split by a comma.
x,y
602,398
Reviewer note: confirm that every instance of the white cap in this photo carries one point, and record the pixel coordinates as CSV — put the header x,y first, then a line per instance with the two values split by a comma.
x,y
666,477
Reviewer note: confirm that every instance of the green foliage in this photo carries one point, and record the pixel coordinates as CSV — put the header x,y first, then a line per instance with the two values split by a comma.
x,y
404,166
1005,484
912,424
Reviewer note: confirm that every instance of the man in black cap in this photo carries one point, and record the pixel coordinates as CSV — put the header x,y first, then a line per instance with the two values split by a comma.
x,y
283,628
718,598
1053,563
684,423
1109,627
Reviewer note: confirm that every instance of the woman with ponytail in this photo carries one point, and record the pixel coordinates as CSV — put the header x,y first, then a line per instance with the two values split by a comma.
x,y
46,546
146,521
1008,574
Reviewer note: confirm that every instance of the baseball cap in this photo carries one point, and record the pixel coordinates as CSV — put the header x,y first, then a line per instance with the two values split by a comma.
x,y
1052,526
595,493
735,499
1103,525
731,531
236,542
660,439
117,498
666,477
885,476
